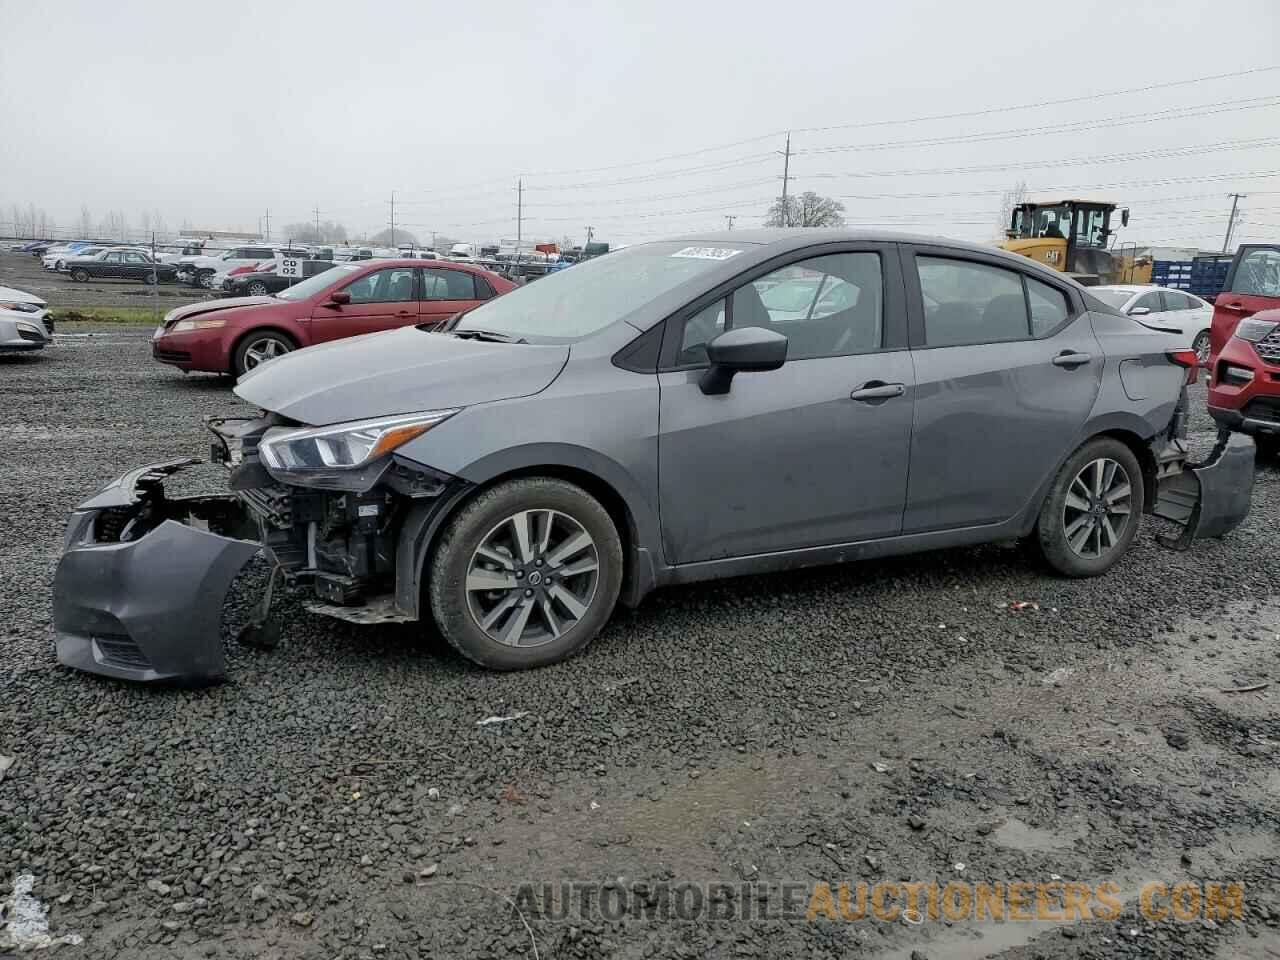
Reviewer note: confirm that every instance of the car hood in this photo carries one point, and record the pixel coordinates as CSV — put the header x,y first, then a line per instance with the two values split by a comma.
x,y
212,306
19,296
398,371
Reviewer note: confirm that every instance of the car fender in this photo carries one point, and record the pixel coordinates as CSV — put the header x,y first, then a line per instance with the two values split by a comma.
x,y
424,522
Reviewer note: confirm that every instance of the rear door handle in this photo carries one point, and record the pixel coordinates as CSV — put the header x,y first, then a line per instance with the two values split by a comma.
x,y
1071,359
878,390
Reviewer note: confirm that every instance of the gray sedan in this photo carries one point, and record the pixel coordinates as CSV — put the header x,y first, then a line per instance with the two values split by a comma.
x,y
671,412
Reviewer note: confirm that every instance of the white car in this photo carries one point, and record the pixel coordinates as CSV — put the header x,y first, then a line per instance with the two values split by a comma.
x,y
24,323
201,270
60,262
54,257
1164,307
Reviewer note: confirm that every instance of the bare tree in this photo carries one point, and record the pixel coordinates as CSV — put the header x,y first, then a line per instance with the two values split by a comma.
x,y
329,232
402,235
806,210
1010,200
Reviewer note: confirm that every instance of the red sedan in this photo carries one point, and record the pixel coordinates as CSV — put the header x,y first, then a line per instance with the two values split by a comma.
x,y
236,334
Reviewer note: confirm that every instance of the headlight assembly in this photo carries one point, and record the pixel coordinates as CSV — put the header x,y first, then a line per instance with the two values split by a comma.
x,y
1255,331
182,326
343,448
20,306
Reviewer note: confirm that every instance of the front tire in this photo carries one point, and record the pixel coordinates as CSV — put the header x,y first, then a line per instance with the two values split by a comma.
x,y
204,279
1093,509
526,574
258,347
80,276
257,289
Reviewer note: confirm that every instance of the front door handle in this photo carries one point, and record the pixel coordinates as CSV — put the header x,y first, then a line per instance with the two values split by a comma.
x,y
1237,307
1069,358
878,390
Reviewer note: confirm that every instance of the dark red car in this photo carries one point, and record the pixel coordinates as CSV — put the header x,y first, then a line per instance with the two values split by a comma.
x,y
1244,368
235,335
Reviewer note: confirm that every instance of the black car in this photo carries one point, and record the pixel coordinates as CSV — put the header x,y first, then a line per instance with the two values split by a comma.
x,y
263,282
120,264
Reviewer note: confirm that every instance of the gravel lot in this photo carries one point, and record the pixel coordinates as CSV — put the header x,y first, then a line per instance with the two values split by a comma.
x,y
25,272
887,720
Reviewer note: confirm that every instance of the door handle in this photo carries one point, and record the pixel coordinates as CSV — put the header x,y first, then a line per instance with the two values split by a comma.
x,y
1238,307
1070,359
877,390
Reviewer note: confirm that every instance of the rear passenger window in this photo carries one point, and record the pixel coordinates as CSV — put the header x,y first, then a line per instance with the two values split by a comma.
x,y
967,302
1175,301
1049,307
448,285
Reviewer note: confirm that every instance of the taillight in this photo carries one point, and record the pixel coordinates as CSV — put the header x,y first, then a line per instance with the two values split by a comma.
x,y
1188,359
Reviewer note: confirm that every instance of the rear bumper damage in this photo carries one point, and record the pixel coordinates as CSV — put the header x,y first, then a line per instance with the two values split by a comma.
x,y
139,590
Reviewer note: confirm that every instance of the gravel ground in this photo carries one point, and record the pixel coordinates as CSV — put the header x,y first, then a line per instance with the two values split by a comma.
x,y
887,720
25,272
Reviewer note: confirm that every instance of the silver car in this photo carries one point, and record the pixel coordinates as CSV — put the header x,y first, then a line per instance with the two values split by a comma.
x,y
24,322
673,412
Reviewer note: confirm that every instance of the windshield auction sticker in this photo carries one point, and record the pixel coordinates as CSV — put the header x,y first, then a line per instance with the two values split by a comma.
x,y
707,253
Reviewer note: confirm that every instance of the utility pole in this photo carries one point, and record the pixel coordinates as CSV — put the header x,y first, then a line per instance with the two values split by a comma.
x,y
519,223
786,174
393,218
1231,221
731,217
319,238
268,222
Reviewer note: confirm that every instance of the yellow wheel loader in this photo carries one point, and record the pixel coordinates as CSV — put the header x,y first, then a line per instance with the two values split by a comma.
x,y
1071,236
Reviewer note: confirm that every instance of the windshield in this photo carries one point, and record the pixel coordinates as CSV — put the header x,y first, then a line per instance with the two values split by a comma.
x,y
573,303
1112,298
321,281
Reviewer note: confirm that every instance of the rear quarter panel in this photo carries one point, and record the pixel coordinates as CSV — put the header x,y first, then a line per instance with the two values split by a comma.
x,y
1140,387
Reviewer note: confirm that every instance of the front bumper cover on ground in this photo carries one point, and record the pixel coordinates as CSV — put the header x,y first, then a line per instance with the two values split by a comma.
x,y
1210,498
139,590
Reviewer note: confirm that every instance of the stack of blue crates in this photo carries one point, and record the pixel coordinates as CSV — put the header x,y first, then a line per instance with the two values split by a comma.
x,y
1209,275
1173,273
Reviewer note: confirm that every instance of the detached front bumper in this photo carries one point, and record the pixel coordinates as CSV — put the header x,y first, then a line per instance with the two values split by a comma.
x,y
139,590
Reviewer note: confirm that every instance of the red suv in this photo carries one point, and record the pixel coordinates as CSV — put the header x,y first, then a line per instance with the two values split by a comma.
x,y
235,335
1244,379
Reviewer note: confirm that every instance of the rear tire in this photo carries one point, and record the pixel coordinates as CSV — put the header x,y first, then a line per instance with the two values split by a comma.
x,y
1201,346
257,289
554,586
80,276
204,279
1093,509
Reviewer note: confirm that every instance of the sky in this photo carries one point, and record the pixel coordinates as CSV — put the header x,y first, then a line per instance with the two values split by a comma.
x,y
641,120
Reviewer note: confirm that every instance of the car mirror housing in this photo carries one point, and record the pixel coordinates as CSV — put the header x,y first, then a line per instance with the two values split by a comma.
x,y
339,297
1139,311
747,350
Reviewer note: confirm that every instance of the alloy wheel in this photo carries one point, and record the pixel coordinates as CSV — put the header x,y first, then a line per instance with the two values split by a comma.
x,y
258,288
533,576
1097,509
263,349
1201,347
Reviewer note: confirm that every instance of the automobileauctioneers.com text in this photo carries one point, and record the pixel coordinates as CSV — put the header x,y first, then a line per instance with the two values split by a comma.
x,y
888,901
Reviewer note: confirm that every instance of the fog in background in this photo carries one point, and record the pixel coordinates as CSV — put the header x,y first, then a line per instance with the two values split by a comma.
x,y
210,115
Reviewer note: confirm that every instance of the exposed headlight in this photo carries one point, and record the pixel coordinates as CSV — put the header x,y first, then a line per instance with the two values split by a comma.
x,y
345,446
1255,331
184,325
21,306
29,327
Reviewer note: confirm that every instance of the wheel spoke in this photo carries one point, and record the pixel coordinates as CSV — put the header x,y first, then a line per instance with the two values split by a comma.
x,y
494,556
1107,532
544,538
515,626
1080,521
1121,489
568,601
481,579
1097,478
1079,539
585,565
496,614
549,616
523,535
579,541
1076,502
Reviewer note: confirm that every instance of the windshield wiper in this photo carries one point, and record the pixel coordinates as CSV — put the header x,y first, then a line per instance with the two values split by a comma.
x,y
490,336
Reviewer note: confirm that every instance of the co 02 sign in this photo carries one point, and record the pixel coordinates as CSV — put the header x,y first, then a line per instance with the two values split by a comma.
x,y
291,267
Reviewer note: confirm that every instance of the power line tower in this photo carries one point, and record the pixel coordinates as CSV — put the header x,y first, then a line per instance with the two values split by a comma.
x,y
729,218
1231,220
393,218
316,211
786,176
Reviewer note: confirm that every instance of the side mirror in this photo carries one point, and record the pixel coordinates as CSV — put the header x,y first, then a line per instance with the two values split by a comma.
x,y
748,350
339,297
1139,311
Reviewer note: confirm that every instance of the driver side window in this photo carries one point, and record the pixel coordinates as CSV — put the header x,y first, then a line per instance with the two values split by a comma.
x,y
383,286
